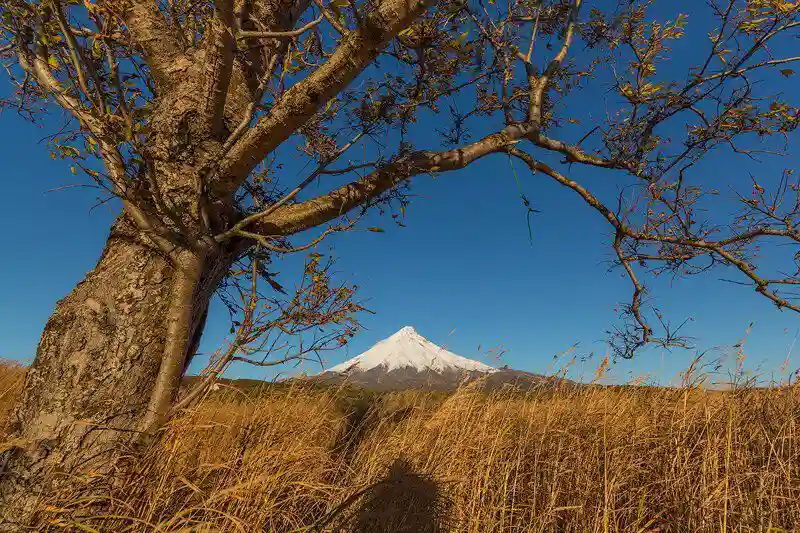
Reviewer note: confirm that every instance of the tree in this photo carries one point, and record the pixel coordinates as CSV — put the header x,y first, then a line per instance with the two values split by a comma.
x,y
191,113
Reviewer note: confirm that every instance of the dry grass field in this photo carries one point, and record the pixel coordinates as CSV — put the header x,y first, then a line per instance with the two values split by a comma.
x,y
579,459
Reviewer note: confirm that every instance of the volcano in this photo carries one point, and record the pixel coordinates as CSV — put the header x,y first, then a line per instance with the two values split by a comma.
x,y
407,360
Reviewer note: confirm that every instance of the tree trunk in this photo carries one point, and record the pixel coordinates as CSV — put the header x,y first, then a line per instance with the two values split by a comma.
x,y
86,396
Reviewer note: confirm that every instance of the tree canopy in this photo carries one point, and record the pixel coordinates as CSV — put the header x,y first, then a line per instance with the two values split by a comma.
x,y
234,89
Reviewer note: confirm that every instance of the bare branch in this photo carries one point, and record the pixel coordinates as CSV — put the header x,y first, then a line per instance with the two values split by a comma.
x,y
76,56
716,247
330,18
280,34
539,85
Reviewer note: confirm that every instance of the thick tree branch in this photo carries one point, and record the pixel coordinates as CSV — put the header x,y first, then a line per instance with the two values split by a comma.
x,y
156,37
294,218
355,52
574,154
288,197
184,285
219,49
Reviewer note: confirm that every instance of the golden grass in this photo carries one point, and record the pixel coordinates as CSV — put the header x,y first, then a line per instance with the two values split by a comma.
x,y
591,459
12,375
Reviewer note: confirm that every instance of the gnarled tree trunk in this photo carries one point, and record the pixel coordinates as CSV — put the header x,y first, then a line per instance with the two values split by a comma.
x,y
89,394
111,357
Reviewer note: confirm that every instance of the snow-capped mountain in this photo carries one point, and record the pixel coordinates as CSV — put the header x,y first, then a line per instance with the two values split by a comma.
x,y
407,349
407,360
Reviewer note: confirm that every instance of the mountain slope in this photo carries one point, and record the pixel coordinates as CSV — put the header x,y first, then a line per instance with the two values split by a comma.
x,y
407,360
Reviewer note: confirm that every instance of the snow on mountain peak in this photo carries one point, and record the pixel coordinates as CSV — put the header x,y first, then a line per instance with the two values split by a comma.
x,y
408,349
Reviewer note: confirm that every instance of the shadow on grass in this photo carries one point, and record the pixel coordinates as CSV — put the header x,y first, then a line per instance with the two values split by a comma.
x,y
403,502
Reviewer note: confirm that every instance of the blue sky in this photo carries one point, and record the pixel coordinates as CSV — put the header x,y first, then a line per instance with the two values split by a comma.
x,y
463,271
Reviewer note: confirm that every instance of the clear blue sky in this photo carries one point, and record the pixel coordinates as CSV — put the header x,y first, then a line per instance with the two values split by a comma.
x,y
463,271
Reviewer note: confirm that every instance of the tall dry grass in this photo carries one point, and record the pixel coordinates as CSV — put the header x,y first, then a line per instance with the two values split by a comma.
x,y
587,459
12,375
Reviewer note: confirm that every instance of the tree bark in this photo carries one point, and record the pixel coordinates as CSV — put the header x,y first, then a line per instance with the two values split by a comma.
x,y
86,396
